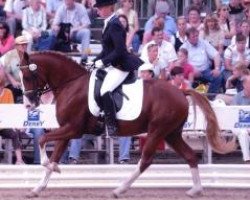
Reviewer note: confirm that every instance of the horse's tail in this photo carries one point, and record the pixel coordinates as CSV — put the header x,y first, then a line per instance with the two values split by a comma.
x,y
218,144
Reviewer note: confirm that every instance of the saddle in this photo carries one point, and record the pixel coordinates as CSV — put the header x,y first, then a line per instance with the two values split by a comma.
x,y
117,94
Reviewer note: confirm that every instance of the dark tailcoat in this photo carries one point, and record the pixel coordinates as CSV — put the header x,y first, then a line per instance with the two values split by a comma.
x,y
114,50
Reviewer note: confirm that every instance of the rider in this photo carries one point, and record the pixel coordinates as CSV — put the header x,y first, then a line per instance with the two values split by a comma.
x,y
115,56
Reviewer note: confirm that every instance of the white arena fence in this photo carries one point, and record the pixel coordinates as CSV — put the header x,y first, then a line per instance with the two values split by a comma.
x,y
110,176
231,118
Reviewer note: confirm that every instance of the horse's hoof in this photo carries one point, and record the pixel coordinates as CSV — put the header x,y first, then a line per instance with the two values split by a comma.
x,y
56,169
195,192
31,195
115,194
45,163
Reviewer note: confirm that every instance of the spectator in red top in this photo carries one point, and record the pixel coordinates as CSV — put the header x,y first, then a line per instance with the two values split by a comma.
x,y
177,78
188,70
7,40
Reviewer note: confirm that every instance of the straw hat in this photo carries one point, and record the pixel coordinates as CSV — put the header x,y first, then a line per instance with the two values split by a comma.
x,y
21,40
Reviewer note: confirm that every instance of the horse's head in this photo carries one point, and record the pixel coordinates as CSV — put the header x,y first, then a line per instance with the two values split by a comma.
x,y
33,83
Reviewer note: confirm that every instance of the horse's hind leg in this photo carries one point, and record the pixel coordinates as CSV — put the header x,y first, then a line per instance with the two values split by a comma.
x,y
179,145
145,161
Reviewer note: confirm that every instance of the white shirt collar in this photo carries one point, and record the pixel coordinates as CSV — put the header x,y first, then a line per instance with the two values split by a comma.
x,y
106,21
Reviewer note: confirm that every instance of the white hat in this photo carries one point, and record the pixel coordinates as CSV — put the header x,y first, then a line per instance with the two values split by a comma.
x,y
146,66
21,40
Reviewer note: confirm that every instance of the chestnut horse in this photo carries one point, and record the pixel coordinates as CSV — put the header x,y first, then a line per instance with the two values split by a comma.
x,y
164,112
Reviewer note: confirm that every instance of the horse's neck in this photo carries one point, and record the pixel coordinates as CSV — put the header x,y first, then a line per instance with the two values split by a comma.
x,y
62,77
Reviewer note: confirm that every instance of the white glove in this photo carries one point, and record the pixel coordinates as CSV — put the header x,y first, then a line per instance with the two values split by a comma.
x,y
99,64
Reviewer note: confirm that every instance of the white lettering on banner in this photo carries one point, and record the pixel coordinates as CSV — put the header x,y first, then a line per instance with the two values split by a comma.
x,y
33,124
17,116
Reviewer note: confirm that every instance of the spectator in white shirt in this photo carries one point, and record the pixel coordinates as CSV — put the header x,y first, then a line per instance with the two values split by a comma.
x,y
75,14
200,54
166,53
14,9
236,53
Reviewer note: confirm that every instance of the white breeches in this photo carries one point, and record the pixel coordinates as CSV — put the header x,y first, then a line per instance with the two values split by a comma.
x,y
113,79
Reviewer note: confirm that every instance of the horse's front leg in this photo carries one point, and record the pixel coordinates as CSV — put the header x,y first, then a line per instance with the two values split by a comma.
x,y
44,160
52,166
62,136
41,185
57,134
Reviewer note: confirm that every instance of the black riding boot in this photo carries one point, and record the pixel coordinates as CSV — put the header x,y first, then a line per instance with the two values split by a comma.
x,y
110,113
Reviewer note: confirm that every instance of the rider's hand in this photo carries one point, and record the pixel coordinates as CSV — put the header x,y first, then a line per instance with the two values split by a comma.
x,y
99,64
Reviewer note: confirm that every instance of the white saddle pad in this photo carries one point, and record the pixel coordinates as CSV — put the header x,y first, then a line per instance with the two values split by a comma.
x,y
131,107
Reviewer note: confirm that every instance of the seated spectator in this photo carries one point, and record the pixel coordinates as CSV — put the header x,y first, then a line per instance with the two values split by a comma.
x,y
10,62
51,8
200,52
126,9
243,98
244,30
2,12
180,36
124,21
6,97
188,70
75,14
146,71
159,23
213,33
166,53
234,82
152,4
226,24
194,19
35,30
177,78
204,10
6,39
72,156
152,57
162,9
14,10
236,9
236,53
92,11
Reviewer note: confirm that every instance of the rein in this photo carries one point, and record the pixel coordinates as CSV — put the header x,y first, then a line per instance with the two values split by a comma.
x,y
47,88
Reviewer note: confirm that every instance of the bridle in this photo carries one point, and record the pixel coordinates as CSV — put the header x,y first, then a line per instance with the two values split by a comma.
x,y
38,91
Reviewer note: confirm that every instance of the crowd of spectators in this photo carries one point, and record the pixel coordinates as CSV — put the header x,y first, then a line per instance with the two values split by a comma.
x,y
201,46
